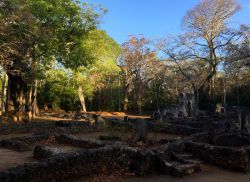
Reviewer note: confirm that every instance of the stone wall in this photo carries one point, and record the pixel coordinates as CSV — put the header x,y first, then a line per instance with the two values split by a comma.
x,y
86,162
86,143
178,129
227,157
22,143
36,127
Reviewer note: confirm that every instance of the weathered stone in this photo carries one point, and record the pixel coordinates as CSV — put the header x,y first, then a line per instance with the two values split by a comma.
x,y
86,143
22,143
179,129
231,139
227,157
112,138
43,152
175,168
85,162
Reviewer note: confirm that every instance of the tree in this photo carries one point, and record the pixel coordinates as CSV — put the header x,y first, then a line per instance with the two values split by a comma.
x,y
57,90
101,52
135,61
208,34
34,33
237,59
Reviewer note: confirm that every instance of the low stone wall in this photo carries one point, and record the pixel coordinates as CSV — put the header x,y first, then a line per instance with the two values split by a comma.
x,y
231,139
22,143
86,143
177,129
44,152
235,158
176,170
73,165
227,157
36,127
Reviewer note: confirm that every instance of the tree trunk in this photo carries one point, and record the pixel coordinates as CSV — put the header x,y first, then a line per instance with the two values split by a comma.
x,y
212,83
15,104
195,107
126,91
81,98
238,98
125,107
225,98
29,99
4,81
35,109
15,88
139,97
119,96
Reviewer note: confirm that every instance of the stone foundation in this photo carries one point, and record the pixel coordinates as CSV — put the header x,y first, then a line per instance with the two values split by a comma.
x,y
73,165
86,143
22,143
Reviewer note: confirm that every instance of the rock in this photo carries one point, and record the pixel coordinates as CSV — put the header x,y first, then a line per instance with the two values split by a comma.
x,y
23,143
112,138
43,152
86,143
176,168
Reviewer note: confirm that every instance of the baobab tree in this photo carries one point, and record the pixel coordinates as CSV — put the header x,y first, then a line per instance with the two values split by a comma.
x,y
206,37
208,34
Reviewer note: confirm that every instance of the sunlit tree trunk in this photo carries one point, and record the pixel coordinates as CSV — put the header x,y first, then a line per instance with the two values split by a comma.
x,y
82,99
212,79
4,81
35,109
29,95
29,102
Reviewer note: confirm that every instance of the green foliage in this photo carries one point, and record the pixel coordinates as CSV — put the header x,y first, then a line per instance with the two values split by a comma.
x,y
58,91
42,31
102,52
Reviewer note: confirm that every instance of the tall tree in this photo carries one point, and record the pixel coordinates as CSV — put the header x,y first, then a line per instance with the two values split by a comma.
x,y
102,52
35,33
207,33
137,55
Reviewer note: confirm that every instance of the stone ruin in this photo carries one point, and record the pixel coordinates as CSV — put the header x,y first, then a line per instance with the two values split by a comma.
x,y
185,108
204,140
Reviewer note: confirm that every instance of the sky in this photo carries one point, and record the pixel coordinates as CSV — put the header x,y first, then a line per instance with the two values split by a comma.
x,y
152,18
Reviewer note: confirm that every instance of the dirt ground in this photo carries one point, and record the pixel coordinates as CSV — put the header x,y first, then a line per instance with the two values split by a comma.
x,y
10,158
3,137
54,116
212,174
119,115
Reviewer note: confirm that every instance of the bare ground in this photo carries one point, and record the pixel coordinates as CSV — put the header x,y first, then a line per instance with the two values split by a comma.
x,y
211,174
8,136
10,158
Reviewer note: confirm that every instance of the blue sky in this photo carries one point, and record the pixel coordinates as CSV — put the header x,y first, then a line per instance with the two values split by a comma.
x,y
152,18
